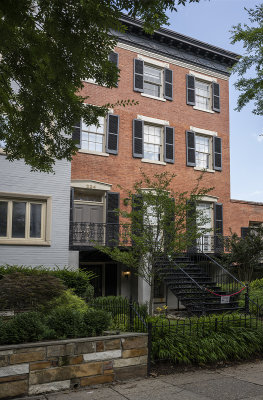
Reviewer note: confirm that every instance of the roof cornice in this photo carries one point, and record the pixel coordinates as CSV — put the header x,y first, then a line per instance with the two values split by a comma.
x,y
182,42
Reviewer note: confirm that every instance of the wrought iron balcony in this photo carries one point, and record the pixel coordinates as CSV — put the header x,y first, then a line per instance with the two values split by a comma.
x,y
88,234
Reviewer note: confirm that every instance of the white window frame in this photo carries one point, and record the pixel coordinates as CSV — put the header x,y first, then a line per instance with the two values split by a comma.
x,y
209,134
46,218
208,80
155,64
97,153
157,122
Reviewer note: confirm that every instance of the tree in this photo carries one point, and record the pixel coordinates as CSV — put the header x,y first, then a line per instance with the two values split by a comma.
x,y
244,253
156,222
47,48
252,38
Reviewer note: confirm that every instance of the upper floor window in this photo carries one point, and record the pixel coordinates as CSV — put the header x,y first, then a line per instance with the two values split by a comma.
x,y
93,136
153,141
98,139
153,138
153,79
203,151
203,94
24,219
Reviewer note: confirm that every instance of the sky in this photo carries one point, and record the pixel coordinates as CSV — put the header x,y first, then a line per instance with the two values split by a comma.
x,y
211,22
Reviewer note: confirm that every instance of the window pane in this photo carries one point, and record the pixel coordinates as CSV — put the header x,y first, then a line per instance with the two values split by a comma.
x,y
3,218
18,220
152,142
203,90
35,220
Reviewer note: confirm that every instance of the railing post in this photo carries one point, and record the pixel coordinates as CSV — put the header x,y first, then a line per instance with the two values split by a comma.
x,y
149,348
131,314
247,300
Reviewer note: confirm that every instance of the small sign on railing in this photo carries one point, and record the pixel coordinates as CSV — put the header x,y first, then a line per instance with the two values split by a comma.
x,y
225,299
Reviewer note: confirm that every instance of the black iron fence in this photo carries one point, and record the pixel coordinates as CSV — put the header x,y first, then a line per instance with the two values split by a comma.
x,y
127,315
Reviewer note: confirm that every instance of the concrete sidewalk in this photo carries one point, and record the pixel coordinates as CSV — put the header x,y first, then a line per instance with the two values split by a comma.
x,y
231,383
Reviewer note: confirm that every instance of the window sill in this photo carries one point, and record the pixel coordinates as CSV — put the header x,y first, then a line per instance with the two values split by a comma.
x,y
204,169
153,161
23,242
201,109
95,153
152,97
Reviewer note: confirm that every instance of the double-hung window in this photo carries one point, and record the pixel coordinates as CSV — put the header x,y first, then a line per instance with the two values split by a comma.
x,y
24,219
153,140
99,139
93,136
203,147
202,92
153,79
203,150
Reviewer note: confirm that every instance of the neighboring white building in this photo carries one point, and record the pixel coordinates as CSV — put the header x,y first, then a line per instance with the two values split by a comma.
x,y
34,214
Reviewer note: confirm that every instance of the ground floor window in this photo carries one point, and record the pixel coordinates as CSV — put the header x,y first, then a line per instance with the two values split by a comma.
x,y
24,219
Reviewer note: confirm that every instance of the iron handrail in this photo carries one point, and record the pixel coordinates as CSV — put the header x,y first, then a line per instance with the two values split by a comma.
x,y
225,270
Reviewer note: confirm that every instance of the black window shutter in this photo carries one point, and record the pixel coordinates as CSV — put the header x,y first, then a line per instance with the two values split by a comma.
x,y
112,134
76,134
191,226
190,149
71,217
114,58
169,144
137,133
138,75
190,90
168,84
216,97
244,231
218,212
169,226
137,217
112,218
218,228
217,153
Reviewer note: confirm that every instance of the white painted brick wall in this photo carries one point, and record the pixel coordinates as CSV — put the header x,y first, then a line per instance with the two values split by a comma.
x,y
17,177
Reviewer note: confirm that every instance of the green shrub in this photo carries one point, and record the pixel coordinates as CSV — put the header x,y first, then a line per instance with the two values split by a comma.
x,y
118,305
78,280
22,292
24,327
97,321
68,300
66,323
255,294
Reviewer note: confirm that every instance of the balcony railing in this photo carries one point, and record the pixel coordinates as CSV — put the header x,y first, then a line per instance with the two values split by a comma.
x,y
88,234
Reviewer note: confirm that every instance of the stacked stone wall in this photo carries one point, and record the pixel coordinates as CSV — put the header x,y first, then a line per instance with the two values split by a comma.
x,y
35,368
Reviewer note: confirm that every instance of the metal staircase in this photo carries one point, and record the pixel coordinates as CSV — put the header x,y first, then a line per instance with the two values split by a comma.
x,y
201,284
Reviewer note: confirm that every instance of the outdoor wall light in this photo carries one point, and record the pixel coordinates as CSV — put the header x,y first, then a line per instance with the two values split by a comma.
x,y
126,274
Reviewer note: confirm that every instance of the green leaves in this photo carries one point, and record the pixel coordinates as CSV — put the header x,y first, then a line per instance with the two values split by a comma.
x,y
251,88
47,48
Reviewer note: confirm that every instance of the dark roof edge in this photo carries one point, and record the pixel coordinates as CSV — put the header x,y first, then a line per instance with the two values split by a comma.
x,y
184,40
254,203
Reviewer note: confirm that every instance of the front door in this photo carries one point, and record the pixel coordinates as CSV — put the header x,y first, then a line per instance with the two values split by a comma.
x,y
205,224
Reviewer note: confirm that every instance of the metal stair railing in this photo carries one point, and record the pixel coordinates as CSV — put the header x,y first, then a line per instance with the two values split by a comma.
x,y
223,278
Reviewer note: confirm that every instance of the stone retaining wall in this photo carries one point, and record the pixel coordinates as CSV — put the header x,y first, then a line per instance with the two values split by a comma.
x,y
34,368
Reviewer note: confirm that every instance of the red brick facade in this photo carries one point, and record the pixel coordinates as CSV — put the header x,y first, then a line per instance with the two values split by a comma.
x,y
122,169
